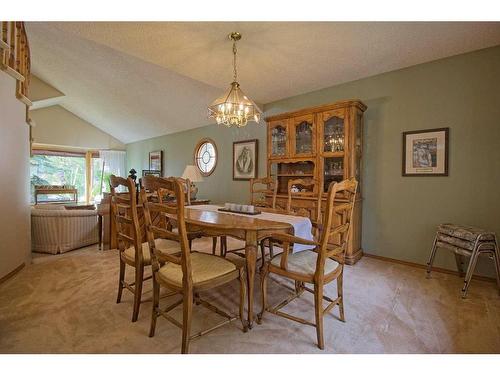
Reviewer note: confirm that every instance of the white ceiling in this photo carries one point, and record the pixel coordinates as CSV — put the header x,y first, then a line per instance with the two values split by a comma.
x,y
139,80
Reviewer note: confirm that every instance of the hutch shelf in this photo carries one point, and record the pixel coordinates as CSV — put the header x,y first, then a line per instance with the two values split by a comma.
x,y
322,143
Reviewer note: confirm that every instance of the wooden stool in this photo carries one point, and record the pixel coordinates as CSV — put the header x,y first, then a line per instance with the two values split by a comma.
x,y
466,241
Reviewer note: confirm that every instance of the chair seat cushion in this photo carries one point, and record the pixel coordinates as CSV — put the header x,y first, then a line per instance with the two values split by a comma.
x,y
204,267
465,232
304,262
163,245
455,241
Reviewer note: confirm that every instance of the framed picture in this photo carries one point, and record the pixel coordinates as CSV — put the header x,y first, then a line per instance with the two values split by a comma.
x,y
245,159
146,172
156,161
425,152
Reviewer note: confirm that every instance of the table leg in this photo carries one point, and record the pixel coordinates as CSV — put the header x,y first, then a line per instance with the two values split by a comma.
x,y
251,264
99,220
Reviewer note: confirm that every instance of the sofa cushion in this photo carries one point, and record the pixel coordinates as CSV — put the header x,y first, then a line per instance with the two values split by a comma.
x,y
48,206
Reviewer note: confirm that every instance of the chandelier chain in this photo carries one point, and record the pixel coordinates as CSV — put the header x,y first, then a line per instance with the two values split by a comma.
x,y
235,73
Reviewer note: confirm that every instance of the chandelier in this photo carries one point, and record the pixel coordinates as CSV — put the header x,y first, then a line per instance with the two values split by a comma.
x,y
234,108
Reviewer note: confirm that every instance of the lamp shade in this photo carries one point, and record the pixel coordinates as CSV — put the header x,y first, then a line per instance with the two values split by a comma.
x,y
192,173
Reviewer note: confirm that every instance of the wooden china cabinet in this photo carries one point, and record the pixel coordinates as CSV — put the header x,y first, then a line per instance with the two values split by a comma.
x,y
322,143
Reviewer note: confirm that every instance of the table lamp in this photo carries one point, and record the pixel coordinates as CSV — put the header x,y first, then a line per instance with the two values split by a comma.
x,y
192,173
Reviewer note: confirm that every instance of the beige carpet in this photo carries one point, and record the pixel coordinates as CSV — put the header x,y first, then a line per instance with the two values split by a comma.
x,y
66,304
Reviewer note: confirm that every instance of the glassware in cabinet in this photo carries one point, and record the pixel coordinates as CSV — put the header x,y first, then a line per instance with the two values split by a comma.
x,y
279,140
304,136
333,170
333,132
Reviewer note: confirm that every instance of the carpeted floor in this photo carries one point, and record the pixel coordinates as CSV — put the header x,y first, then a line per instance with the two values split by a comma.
x,y
66,304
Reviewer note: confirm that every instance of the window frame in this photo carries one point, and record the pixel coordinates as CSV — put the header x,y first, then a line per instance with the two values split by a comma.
x,y
87,155
199,145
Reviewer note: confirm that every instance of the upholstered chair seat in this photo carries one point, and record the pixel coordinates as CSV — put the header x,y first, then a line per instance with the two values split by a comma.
x,y
205,267
304,262
163,245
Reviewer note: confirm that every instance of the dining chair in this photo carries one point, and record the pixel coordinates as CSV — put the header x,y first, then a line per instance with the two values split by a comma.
x,y
296,189
260,188
258,196
186,185
317,266
132,251
186,273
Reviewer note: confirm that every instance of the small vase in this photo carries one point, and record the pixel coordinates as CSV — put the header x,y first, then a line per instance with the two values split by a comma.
x,y
194,191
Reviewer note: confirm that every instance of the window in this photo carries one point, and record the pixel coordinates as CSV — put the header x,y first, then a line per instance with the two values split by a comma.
x,y
57,168
71,168
205,156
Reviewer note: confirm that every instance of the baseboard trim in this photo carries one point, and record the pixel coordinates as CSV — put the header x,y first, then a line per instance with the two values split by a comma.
x,y
12,273
424,266
352,259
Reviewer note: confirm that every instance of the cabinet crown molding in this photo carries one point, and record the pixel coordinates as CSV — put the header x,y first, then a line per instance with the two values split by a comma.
x,y
321,108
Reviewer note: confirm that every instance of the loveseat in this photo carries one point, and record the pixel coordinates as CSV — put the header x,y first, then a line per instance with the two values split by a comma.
x,y
57,230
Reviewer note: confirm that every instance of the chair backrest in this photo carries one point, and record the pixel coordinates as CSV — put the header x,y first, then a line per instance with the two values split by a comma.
x,y
336,221
157,216
186,184
258,192
312,188
124,214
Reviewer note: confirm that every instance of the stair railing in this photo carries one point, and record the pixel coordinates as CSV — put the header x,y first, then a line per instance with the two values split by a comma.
x,y
15,59
15,56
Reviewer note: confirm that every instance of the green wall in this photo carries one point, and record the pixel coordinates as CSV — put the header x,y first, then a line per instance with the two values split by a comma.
x,y
178,151
400,214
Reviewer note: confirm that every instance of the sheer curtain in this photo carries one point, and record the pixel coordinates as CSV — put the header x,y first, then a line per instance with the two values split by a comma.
x,y
113,162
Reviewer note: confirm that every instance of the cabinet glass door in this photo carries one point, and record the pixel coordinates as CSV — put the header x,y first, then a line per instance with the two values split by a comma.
x,y
333,135
278,141
358,150
333,171
303,136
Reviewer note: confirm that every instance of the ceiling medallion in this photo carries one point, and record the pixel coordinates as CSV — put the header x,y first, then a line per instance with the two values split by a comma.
x,y
234,108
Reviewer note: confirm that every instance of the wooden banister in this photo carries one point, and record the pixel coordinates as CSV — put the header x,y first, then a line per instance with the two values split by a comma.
x,y
15,56
4,45
15,60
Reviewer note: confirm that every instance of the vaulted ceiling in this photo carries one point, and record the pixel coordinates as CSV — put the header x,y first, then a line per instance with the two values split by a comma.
x,y
140,80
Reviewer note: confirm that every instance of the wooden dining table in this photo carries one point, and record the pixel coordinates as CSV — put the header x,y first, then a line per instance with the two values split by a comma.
x,y
250,229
